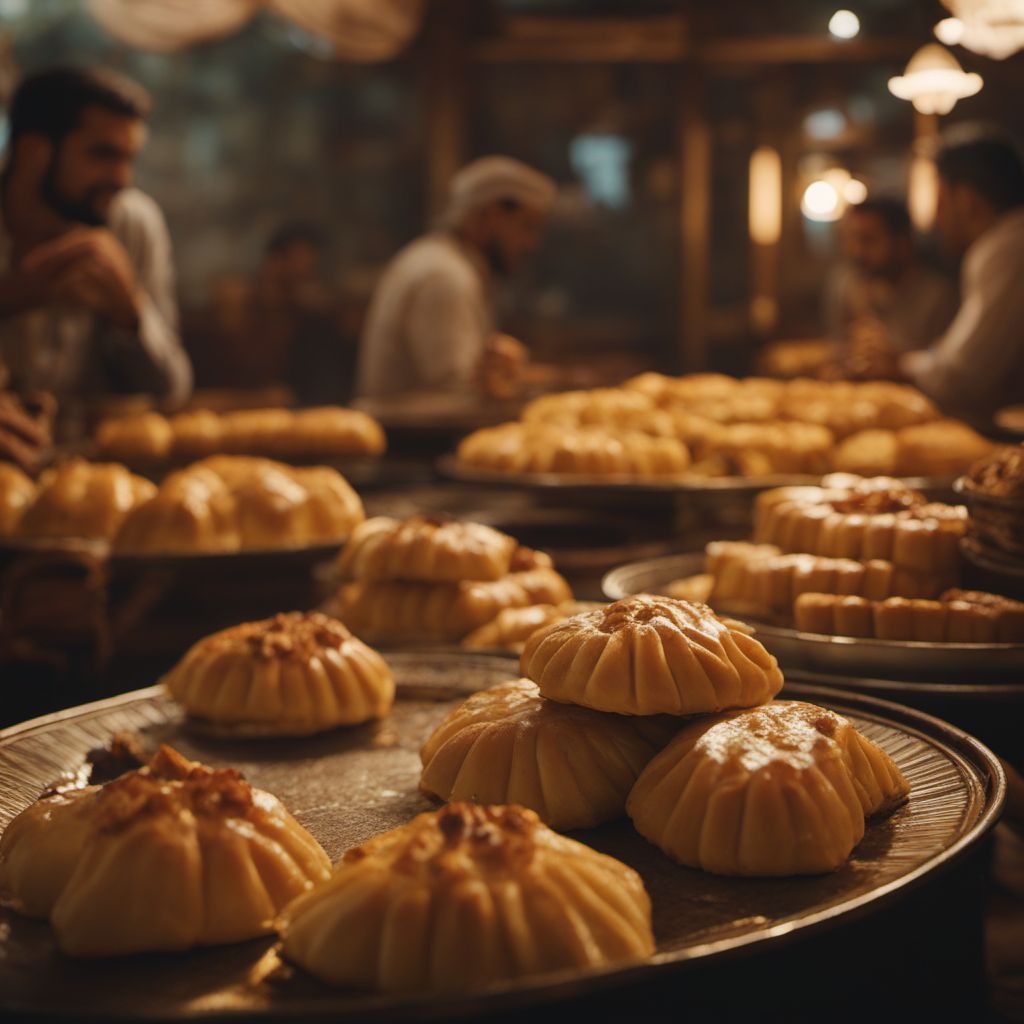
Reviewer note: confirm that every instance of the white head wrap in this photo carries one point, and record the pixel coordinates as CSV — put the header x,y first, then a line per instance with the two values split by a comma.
x,y
492,178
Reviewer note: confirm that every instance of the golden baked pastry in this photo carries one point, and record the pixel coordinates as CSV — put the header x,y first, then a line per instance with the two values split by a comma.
x,y
193,511
170,856
692,588
755,579
648,655
895,525
404,612
596,407
426,549
943,448
512,627
16,494
333,508
868,453
327,432
781,789
580,451
83,499
778,447
145,437
256,431
573,766
464,897
197,434
960,616
999,475
292,675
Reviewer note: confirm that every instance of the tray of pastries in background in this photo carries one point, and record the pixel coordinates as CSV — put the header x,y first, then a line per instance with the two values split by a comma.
x,y
223,506
201,834
712,432
152,443
861,577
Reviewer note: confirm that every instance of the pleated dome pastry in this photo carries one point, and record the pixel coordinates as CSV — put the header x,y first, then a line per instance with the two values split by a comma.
x,y
333,507
508,745
512,627
16,494
649,655
193,511
777,790
167,857
427,549
145,437
294,674
83,499
464,897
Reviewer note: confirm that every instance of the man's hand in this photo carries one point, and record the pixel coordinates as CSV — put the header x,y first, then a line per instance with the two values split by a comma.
x,y
502,366
86,267
26,425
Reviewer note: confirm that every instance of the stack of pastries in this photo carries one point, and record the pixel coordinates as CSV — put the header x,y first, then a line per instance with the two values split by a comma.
x,y
234,503
709,425
746,785
327,432
436,580
861,557
163,858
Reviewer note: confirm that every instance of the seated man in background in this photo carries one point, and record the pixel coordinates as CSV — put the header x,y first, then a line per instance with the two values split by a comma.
x,y
883,278
977,365
431,323
87,301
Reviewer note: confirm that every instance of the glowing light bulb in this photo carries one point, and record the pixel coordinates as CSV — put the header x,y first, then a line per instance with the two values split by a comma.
x,y
854,191
844,24
821,201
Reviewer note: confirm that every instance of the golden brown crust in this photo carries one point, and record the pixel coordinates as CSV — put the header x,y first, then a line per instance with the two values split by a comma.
x,y
426,549
999,475
171,855
16,494
293,674
484,894
649,655
571,765
781,789
146,437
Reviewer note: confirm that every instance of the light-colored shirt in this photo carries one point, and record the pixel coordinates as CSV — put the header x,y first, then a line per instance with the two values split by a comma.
x,y
915,310
977,366
73,352
429,321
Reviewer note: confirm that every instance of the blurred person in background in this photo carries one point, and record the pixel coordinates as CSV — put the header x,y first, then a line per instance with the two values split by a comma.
x,y
883,278
431,323
281,326
977,365
87,304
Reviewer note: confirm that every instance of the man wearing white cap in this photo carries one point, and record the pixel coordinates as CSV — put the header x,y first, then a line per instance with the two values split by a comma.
x,y
430,326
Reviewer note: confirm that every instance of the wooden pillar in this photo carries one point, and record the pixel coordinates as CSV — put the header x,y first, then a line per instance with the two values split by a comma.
x,y
446,83
694,144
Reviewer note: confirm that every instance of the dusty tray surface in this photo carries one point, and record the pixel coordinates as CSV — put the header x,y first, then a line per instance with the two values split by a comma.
x,y
348,785
840,655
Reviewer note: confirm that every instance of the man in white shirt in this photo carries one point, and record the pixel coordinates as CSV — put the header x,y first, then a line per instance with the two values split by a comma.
x,y
87,301
430,327
977,365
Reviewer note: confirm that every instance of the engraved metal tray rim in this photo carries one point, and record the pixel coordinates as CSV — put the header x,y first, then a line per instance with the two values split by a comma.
x,y
981,773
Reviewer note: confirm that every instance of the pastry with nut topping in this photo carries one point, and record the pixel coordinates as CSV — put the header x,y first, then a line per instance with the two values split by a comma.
x,y
164,858
295,674
649,655
573,766
782,789
465,897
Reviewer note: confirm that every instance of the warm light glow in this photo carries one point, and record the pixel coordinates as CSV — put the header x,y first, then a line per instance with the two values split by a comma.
x,y
821,201
950,31
854,191
934,81
993,28
765,196
922,192
844,24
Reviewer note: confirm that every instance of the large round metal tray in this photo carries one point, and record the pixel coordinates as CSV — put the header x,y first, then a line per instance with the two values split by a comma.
x,y
839,655
348,785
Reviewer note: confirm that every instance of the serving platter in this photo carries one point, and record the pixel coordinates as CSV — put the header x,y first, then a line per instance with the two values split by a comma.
x,y
838,655
348,785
